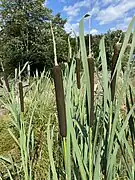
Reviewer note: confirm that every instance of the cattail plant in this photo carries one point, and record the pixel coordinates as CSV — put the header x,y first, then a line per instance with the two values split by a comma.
x,y
69,54
59,91
23,140
91,73
21,96
60,102
98,152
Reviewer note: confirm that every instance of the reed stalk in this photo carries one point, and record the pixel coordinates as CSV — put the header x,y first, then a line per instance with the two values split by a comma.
x,y
59,91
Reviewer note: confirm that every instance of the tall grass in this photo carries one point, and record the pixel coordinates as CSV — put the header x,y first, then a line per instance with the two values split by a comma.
x,y
28,109
97,141
104,150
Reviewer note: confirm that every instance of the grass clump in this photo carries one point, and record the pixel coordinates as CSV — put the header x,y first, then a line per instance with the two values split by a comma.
x,y
28,125
105,148
96,139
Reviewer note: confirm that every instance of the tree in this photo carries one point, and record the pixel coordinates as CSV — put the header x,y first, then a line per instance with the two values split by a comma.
x,y
25,35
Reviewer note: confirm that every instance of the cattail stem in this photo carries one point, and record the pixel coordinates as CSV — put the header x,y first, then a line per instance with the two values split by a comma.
x,y
65,150
91,74
21,96
113,81
59,91
54,46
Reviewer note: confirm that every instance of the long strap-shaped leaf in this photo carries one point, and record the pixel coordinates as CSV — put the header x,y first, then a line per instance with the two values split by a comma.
x,y
84,60
120,99
104,72
88,85
68,114
49,141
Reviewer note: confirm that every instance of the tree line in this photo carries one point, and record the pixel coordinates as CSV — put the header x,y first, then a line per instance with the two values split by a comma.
x,y
25,36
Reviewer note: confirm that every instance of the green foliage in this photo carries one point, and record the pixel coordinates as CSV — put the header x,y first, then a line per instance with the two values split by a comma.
x,y
105,150
25,35
111,38
7,143
26,136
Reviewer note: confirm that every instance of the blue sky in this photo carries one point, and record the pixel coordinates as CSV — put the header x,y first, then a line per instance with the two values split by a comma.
x,y
105,14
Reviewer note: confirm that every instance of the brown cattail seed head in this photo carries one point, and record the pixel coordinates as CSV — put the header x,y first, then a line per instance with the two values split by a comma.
x,y
91,74
21,96
59,91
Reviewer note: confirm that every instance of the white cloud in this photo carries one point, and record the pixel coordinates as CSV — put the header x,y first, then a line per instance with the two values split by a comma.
x,y
94,32
109,1
122,25
67,27
94,9
45,3
115,12
104,11
113,28
70,27
73,10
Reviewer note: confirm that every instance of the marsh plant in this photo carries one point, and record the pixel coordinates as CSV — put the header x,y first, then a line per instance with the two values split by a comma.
x,y
100,138
67,128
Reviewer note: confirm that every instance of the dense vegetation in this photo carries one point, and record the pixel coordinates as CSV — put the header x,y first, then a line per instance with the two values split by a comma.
x,y
25,35
79,125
